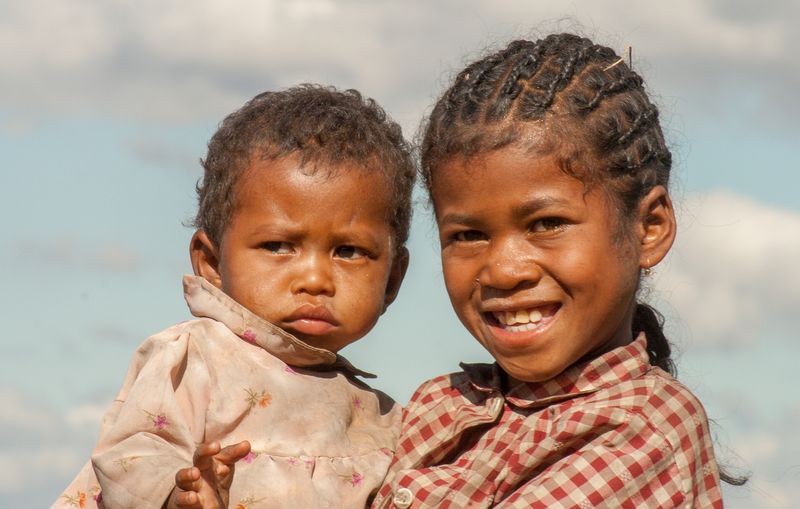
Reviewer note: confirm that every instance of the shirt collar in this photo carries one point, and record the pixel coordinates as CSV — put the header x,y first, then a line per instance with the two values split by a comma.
x,y
623,363
207,301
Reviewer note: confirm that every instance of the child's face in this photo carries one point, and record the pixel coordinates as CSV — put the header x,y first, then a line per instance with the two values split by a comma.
x,y
553,284
310,253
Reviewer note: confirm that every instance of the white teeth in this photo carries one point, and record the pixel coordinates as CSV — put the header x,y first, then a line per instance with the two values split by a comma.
x,y
519,320
523,327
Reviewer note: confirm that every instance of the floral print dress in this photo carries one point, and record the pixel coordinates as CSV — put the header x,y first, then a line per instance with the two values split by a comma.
x,y
320,437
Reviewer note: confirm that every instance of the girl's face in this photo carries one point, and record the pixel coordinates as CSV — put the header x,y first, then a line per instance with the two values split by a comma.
x,y
532,261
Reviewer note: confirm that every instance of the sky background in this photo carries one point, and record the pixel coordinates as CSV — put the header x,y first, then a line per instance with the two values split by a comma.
x,y
106,107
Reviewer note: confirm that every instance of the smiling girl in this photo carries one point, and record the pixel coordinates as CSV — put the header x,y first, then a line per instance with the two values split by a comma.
x,y
548,173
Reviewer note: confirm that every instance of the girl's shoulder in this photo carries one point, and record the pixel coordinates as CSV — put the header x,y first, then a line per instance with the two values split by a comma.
x,y
655,402
656,395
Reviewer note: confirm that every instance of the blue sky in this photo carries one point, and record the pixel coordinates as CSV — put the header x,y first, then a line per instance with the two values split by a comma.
x,y
105,109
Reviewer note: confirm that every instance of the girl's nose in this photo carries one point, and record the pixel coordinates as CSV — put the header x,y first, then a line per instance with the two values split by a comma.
x,y
313,275
509,264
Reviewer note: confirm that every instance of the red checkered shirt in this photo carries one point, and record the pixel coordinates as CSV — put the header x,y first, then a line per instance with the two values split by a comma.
x,y
614,432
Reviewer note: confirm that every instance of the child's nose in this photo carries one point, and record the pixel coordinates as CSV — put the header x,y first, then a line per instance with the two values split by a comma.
x,y
510,263
313,275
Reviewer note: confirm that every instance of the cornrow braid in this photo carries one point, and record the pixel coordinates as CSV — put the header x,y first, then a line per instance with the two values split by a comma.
x,y
568,69
645,119
528,82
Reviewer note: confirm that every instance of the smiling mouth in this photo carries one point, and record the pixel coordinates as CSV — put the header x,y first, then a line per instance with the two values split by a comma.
x,y
521,320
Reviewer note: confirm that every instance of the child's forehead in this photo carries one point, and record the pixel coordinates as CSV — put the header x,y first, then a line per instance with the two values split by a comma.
x,y
354,184
319,169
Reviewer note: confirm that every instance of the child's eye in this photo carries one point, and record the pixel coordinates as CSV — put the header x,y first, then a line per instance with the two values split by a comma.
x,y
548,224
277,247
350,252
469,236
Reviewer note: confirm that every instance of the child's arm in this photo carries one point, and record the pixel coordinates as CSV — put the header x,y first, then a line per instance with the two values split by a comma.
x,y
205,485
154,424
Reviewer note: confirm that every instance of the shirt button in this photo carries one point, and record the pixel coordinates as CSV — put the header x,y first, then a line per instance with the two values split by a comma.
x,y
497,405
403,498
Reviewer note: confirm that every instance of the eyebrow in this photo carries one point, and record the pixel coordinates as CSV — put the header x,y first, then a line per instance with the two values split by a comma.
x,y
522,210
537,204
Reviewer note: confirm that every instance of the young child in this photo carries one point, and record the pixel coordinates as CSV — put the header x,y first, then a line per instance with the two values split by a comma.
x,y
304,212
548,174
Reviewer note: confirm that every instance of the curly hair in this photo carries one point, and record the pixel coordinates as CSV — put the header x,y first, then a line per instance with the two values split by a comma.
x,y
325,128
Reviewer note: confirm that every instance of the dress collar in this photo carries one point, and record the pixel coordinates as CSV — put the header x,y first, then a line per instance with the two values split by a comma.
x,y
207,301
621,364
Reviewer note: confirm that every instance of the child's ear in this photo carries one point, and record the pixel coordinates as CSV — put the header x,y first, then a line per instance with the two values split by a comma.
x,y
205,258
656,227
398,272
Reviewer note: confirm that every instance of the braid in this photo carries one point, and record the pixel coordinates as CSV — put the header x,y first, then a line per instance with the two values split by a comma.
x,y
644,120
646,319
612,87
569,67
522,70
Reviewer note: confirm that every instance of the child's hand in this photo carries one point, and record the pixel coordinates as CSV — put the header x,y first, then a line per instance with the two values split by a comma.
x,y
206,484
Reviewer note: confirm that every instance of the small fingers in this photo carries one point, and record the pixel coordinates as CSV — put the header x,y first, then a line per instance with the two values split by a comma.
x,y
233,453
188,479
204,455
188,500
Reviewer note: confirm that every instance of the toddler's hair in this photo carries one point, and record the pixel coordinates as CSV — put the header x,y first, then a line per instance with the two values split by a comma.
x,y
592,111
325,128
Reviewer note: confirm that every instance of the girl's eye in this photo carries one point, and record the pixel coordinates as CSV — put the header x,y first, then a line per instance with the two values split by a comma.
x,y
350,252
469,236
548,224
277,247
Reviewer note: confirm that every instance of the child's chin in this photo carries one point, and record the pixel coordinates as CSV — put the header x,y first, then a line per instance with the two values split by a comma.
x,y
526,369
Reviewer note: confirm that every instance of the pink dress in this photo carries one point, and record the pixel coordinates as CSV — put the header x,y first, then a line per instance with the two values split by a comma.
x,y
320,437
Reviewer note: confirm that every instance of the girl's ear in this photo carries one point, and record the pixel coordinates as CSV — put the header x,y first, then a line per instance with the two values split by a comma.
x,y
205,258
656,227
396,275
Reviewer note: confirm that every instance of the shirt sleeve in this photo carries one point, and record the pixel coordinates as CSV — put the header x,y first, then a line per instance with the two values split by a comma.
x,y
83,489
617,462
152,427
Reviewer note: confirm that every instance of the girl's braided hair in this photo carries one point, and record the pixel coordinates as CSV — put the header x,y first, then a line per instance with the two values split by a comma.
x,y
597,119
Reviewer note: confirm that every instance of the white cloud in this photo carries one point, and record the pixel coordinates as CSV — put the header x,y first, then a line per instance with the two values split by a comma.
x,y
69,252
196,60
157,152
18,413
42,448
115,257
21,468
770,456
733,276
84,416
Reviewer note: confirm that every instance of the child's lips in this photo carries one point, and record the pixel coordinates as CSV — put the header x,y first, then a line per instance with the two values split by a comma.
x,y
521,318
311,320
